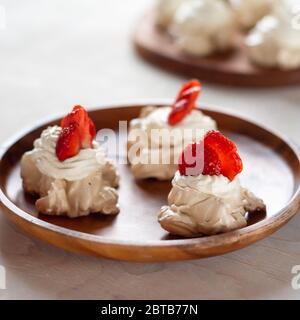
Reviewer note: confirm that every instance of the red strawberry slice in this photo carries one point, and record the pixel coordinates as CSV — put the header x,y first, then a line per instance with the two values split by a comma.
x,y
227,152
185,101
197,159
86,126
215,155
85,130
78,115
68,143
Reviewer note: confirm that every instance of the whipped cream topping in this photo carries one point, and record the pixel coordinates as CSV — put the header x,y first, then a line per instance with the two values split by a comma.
x,y
207,205
167,142
201,27
72,169
248,12
218,186
275,41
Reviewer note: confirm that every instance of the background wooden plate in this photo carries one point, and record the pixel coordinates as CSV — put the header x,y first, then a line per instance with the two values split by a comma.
x,y
272,171
234,68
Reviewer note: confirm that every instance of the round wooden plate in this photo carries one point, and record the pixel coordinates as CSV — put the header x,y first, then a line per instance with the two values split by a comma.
x,y
233,68
272,171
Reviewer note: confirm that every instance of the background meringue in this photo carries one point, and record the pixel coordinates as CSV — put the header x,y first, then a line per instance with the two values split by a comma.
x,y
249,12
165,10
201,27
275,40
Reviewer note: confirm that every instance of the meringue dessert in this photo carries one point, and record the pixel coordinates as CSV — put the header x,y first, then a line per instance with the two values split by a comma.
x,y
207,197
160,133
249,12
275,40
203,27
165,10
68,170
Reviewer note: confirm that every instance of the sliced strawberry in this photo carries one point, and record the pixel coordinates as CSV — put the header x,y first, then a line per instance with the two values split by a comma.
x,y
212,163
227,152
78,115
185,101
215,155
68,143
219,142
197,159
77,125
86,126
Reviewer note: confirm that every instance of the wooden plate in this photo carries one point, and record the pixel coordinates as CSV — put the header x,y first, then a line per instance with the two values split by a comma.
x,y
272,171
234,68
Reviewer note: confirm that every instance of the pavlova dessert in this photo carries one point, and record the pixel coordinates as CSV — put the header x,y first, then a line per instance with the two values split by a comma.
x,y
275,40
207,197
203,27
157,137
68,170
165,10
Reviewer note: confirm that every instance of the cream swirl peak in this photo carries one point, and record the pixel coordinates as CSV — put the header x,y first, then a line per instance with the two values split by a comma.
x,y
76,168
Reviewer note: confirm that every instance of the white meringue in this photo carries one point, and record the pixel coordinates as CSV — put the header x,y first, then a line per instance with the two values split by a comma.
x,y
249,12
76,187
202,27
207,205
160,147
165,10
275,41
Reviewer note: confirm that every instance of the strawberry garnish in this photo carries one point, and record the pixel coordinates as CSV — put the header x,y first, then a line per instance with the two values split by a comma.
x,y
85,124
68,143
227,152
215,155
78,133
185,101
197,159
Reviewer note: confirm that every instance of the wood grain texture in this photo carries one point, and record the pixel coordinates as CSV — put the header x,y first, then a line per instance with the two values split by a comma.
x,y
232,68
272,171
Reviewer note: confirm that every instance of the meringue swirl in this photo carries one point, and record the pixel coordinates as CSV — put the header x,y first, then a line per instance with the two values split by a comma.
x,y
207,205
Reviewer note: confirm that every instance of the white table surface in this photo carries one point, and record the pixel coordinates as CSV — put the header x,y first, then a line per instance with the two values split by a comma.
x,y
54,54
